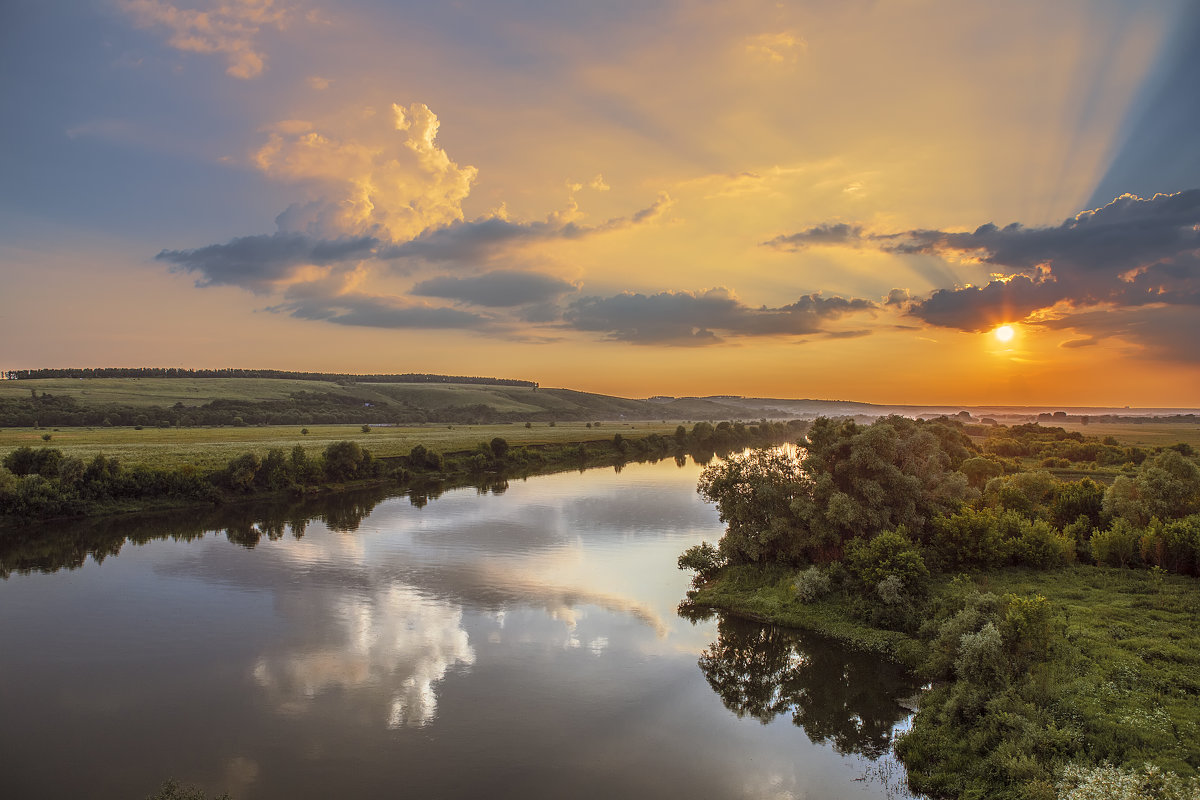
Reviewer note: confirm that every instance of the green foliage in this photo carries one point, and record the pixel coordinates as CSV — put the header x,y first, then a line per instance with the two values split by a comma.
x,y
1166,486
242,471
1027,493
703,559
890,554
754,494
812,584
499,448
343,460
1106,782
1118,546
979,470
894,472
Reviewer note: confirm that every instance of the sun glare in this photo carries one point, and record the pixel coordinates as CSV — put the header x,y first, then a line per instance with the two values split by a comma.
x,y
1004,333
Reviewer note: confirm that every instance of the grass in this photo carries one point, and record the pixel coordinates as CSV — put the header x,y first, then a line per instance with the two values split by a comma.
x,y
211,448
1148,434
1124,678
1131,672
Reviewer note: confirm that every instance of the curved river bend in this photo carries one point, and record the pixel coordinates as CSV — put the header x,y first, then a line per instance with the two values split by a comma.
x,y
518,642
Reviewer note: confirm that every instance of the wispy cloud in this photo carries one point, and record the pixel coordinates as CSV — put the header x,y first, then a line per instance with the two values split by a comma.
x,y
229,28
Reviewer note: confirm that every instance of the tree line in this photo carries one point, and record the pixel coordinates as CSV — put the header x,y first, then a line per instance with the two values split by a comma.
x,y
178,372
43,482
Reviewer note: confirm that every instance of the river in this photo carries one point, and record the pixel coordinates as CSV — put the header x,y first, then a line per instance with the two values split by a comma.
x,y
518,641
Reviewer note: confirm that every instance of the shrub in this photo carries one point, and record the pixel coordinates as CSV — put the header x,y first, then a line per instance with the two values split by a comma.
x,y
812,584
889,553
981,657
1116,547
1106,782
704,559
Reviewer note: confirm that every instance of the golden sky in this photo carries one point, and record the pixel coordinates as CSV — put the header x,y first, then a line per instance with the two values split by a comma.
x,y
837,200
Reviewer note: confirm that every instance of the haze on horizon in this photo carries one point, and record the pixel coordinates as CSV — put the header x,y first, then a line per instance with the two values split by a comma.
x,y
844,200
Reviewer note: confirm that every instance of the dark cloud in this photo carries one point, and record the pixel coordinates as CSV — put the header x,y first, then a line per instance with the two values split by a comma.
x,y
255,262
497,289
686,318
1129,253
832,233
1170,333
1129,232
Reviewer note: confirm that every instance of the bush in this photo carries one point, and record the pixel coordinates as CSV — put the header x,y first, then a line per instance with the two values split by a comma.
x,y
1106,782
812,584
890,553
981,657
1116,547
704,559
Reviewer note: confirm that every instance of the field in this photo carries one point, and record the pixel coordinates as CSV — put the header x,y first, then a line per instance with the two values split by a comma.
x,y
213,447
1149,434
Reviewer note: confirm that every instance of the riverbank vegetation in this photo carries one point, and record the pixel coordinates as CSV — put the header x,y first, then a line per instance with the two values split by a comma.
x,y
44,482
1055,618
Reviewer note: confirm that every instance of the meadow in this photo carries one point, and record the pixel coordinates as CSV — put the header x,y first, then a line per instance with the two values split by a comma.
x,y
212,448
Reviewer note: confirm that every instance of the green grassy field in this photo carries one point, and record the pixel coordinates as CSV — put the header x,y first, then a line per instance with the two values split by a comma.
x,y
214,447
1150,434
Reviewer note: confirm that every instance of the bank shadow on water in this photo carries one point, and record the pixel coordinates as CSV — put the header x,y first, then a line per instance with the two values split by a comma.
x,y
66,544
841,697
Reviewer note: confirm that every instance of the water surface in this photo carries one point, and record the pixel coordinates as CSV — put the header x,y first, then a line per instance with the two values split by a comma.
x,y
520,642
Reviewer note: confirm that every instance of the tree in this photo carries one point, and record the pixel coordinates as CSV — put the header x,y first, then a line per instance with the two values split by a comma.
x,y
499,448
754,494
1166,486
342,460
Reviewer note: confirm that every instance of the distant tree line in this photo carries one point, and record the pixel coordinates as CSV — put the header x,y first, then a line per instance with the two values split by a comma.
x,y
301,408
176,372
43,482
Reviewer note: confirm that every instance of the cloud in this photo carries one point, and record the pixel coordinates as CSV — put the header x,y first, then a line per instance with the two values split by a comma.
x,y
383,197
372,182
228,28
1130,253
499,288
829,234
260,262
777,48
475,241
687,318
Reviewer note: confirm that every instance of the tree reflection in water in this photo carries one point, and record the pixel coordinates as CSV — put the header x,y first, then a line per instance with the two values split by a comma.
x,y
834,694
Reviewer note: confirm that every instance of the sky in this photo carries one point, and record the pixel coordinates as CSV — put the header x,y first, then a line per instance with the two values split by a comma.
x,y
827,199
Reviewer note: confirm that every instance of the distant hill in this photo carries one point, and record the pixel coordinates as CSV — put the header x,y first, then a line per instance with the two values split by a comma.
x,y
153,398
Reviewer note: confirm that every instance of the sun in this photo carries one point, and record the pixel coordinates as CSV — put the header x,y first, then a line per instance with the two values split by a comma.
x,y
1004,333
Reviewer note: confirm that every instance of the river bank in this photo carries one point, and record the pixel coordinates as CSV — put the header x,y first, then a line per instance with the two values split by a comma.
x,y
45,483
1116,684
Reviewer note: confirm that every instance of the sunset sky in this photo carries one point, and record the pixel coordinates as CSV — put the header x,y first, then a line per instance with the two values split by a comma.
x,y
835,200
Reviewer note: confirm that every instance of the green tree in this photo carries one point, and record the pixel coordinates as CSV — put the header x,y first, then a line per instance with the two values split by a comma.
x,y
343,459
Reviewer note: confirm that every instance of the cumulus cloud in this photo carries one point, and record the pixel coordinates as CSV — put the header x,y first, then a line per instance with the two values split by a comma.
x,y
1131,253
381,197
391,180
499,288
228,28
699,318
